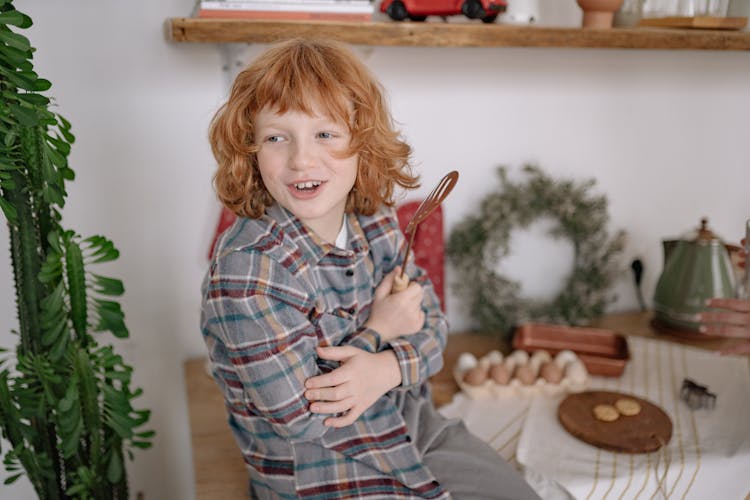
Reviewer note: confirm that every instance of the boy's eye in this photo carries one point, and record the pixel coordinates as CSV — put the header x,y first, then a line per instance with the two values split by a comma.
x,y
273,138
325,135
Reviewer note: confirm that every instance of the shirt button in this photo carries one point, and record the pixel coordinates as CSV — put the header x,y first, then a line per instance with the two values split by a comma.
x,y
349,272
408,439
352,310
435,484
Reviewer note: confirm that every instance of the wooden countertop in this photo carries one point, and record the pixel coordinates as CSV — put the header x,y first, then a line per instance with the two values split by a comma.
x,y
217,462
219,469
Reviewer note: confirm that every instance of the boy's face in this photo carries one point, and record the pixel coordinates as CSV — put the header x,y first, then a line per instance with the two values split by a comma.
x,y
299,166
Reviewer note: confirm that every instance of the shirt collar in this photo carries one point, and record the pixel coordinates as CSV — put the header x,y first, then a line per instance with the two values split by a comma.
x,y
312,246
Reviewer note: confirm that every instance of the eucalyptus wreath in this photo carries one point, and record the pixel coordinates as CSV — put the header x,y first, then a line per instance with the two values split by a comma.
x,y
481,240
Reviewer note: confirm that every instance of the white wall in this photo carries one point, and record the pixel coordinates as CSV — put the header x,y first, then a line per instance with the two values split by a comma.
x,y
665,134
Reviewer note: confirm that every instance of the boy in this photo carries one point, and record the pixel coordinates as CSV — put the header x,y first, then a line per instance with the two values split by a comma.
x,y
324,370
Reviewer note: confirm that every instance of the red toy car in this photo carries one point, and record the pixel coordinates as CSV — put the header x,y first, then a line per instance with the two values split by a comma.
x,y
418,10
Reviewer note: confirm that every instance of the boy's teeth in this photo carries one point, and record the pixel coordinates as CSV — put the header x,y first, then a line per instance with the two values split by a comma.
x,y
307,185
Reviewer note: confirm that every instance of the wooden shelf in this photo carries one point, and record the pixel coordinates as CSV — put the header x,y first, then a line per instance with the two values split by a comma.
x,y
437,34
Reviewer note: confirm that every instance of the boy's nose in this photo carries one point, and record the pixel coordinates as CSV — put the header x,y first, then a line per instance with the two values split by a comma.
x,y
302,156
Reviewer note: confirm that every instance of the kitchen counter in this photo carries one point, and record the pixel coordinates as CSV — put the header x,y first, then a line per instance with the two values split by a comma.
x,y
219,469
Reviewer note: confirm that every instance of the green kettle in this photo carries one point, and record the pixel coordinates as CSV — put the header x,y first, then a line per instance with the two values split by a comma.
x,y
696,268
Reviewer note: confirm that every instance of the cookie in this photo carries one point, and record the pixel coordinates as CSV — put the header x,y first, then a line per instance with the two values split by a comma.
x,y
628,407
606,413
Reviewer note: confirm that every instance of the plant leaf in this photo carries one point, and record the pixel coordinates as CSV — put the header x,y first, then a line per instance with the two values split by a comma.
x,y
116,375
26,116
114,469
58,349
121,424
108,286
67,173
15,57
111,318
12,479
22,79
15,40
9,210
40,85
59,144
144,445
64,127
52,267
56,157
15,18
52,334
104,250
34,99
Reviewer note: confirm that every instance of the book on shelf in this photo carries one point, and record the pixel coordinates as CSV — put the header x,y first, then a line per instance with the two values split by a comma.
x,y
335,10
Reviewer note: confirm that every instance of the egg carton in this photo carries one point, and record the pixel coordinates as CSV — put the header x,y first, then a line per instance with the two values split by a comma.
x,y
572,372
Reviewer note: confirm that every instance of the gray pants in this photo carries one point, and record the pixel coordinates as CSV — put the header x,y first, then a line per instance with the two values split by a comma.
x,y
462,463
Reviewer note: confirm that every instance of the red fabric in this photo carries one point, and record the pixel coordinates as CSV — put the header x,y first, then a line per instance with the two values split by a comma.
x,y
226,219
429,247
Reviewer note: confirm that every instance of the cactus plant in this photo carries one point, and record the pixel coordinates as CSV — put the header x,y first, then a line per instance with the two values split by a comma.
x,y
65,398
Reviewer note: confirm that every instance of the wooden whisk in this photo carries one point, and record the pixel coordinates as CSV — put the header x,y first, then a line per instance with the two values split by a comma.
x,y
433,200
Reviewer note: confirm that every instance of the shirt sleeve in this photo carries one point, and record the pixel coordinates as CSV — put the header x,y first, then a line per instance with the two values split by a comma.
x,y
420,355
364,338
253,308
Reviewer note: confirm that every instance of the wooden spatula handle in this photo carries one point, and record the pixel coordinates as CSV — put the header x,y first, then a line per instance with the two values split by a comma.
x,y
400,282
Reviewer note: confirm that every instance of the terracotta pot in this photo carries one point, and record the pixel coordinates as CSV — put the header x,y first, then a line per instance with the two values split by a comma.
x,y
598,13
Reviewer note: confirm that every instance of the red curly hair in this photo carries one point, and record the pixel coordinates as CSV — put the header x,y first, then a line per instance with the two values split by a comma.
x,y
293,76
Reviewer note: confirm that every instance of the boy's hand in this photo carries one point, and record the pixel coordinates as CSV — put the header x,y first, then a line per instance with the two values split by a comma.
x,y
396,314
354,386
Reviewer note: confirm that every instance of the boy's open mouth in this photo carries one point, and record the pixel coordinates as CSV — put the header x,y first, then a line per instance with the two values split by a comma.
x,y
307,186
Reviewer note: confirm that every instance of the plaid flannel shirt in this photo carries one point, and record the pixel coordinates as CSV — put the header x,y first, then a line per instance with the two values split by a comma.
x,y
275,291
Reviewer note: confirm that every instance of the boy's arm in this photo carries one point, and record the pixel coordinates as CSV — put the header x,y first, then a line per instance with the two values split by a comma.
x,y
420,355
349,390
363,376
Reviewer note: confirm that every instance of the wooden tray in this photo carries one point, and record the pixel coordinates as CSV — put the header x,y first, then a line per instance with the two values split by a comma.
x,y
603,352
646,432
697,22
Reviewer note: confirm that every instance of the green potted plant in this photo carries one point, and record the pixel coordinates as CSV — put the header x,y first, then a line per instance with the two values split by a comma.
x,y
65,398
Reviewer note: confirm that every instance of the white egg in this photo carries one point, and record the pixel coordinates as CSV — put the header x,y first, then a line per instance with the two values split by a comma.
x,y
466,361
500,374
551,372
564,357
495,357
476,376
538,358
576,372
525,374
520,356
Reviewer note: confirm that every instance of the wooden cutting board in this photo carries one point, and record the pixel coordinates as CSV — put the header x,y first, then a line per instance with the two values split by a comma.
x,y
698,22
646,432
